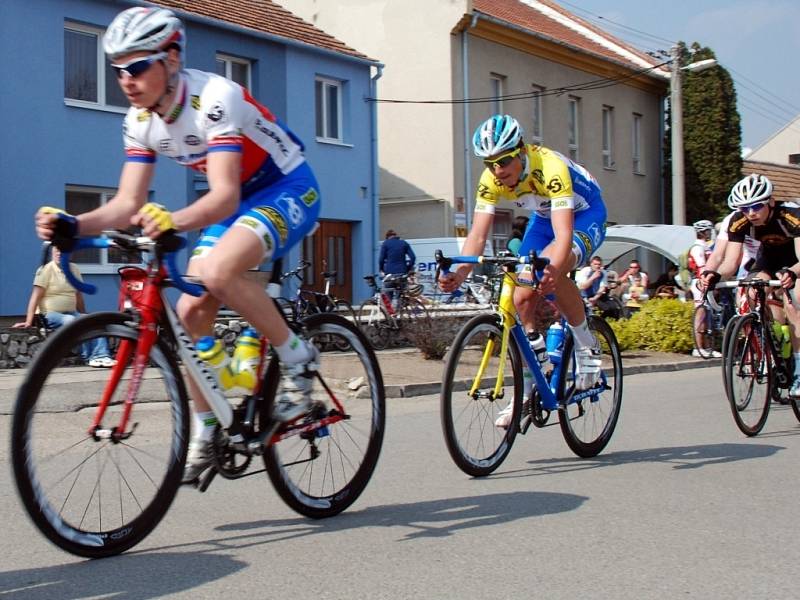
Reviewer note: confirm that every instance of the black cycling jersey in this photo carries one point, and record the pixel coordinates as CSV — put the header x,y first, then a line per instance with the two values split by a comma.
x,y
776,236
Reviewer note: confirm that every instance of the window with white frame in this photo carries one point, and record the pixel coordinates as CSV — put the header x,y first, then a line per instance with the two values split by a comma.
x,y
329,110
637,144
573,133
79,200
235,69
537,134
498,85
89,80
608,137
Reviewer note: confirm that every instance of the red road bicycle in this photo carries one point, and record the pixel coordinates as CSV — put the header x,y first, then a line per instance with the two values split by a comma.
x,y
97,470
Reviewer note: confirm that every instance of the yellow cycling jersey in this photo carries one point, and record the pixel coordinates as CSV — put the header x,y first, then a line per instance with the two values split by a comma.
x,y
550,181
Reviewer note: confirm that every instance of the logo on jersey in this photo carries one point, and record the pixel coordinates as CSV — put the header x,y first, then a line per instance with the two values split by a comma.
x,y
483,192
555,185
143,116
276,218
310,197
775,239
594,231
216,114
195,102
259,124
561,203
587,243
292,209
192,140
538,176
165,145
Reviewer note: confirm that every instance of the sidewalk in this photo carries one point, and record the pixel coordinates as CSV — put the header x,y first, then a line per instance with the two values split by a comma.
x,y
405,373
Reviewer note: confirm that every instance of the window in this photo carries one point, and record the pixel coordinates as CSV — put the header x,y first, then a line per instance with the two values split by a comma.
x,y
502,230
83,199
498,89
329,110
536,135
573,139
637,144
608,137
235,69
88,78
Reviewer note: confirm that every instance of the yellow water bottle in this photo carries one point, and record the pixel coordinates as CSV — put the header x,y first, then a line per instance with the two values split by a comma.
x,y
213,352
246,359
786,347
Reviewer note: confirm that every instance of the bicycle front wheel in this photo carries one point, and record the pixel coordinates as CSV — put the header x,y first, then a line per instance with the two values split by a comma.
x,y
89,490
726,342
322,463
375,322
344,309
707,338
474,391
748,371
589,422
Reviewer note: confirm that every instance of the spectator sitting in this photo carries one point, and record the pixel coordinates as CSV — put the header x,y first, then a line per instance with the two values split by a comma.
x,y
666,286
396,258
518,227
634,286
59,303
592,281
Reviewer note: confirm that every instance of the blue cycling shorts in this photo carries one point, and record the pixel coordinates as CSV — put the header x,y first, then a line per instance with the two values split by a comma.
x,y
280,214
588,233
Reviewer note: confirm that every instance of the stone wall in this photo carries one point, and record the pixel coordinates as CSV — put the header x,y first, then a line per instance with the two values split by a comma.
x,y
17,346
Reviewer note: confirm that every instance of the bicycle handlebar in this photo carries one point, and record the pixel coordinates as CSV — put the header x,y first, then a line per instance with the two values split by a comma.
x,y
304,264
166,247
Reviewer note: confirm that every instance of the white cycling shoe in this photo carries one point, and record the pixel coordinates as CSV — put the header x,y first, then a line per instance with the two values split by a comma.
x,y
587,369
294,397
504,416
197,460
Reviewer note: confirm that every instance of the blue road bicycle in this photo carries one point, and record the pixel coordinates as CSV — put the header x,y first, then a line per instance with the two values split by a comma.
x,y
484,372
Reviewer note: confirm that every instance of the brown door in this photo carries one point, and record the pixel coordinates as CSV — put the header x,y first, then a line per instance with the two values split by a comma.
x,y
329,250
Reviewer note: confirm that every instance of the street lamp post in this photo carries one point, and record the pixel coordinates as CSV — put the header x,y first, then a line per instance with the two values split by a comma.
x,y
676,125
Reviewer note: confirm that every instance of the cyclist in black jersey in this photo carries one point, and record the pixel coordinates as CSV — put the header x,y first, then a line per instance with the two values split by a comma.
x,y
777,227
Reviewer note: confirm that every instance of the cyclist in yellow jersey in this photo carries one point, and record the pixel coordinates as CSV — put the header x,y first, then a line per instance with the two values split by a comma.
x,y
567,226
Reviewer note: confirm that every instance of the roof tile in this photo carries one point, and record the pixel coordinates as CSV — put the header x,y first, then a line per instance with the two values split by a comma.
x,y
263,16
785,178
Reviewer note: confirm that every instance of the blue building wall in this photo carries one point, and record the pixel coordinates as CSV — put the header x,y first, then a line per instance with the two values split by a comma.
x,y
50,145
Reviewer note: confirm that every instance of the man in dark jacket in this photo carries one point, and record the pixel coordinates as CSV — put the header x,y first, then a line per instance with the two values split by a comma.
x,y
396,257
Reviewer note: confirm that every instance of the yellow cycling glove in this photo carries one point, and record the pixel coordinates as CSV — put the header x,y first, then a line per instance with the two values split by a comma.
x,y
161,216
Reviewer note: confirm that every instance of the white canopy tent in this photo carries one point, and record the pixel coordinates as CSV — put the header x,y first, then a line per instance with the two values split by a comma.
x,y
667,240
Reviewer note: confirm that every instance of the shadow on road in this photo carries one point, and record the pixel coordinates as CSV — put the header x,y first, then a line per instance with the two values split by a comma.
x,y
430,519
681,457
142,576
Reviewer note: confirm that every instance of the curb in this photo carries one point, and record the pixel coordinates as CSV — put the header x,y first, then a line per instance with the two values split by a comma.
x,y
410,390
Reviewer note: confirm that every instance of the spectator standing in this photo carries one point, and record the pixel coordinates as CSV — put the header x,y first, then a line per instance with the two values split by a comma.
x,y
59,303
396,258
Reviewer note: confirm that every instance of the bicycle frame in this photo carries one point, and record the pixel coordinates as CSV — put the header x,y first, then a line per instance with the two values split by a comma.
x,y
512,327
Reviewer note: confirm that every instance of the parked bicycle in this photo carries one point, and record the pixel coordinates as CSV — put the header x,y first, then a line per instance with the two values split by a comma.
x,y
484,372
383,319
758,364
96,482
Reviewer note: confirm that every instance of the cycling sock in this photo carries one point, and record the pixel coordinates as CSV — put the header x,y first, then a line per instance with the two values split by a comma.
x,y
293,351
204,425
583,337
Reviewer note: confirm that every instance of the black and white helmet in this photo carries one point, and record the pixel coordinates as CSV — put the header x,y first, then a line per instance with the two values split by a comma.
x,y
752,189
140,28
703,225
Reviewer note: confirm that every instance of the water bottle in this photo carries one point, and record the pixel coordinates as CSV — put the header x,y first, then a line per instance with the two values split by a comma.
x,y
527,381
213,353
246,359
782,339
537,344
555,342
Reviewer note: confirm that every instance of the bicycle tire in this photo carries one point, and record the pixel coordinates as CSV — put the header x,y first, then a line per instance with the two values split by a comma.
x,y
414,321
50,481
344,309
376,323
587,425
748,370
726,340
708,334
468,421
347,451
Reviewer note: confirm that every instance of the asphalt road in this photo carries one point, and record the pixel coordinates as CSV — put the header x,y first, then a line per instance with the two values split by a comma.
x,y
679,505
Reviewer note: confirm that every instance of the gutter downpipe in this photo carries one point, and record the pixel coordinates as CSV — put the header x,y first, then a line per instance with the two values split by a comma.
x,y
373,154
467,161
662,184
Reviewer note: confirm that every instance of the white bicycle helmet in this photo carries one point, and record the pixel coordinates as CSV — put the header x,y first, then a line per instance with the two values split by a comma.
x,y
139,28
496,135
703,225
752,189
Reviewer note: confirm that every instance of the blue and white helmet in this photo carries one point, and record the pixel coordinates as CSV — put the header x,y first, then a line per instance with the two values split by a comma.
x,y
496,135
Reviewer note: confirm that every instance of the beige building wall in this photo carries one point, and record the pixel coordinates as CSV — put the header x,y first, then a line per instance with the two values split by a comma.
x,y
778,148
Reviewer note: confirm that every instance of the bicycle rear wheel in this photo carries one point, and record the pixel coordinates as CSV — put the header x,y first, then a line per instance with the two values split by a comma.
x,y
87,492
375,322
320,464
706,337
469,405
588,423
748,370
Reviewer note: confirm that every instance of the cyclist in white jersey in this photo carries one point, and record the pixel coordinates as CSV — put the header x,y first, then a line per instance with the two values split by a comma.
x,y
262,198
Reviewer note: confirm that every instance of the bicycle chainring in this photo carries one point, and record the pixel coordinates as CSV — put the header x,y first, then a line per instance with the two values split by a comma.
x,y
539,416
229,462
